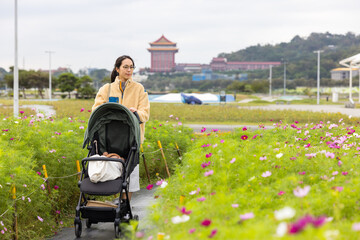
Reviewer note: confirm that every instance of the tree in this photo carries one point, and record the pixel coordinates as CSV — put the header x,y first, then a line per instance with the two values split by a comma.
x,y
85,90
67,82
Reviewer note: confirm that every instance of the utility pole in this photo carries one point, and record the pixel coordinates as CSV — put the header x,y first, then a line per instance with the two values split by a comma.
x,y
16,70
49,52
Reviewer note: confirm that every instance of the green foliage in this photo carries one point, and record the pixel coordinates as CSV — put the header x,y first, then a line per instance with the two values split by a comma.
x,y
237,185
67,82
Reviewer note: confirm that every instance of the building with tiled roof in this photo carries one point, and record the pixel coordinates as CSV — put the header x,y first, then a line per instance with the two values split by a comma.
x,y
162,55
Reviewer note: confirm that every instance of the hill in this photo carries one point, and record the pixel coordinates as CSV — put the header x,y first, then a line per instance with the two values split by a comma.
x,y
301,61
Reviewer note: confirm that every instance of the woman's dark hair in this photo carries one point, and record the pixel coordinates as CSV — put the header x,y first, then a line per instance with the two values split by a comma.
x,y
117,64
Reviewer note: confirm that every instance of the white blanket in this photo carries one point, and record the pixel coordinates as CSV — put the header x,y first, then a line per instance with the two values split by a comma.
x,y
102,171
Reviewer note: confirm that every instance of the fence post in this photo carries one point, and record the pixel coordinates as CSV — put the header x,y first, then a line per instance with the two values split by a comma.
x,y
146,169
163,155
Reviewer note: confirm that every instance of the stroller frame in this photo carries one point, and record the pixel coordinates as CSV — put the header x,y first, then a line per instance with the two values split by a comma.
x,y
96,214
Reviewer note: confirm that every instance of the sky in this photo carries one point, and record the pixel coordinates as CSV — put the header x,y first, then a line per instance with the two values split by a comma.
x,y
93,33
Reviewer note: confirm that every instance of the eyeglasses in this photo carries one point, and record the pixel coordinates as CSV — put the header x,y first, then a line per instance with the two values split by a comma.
x,y
126,67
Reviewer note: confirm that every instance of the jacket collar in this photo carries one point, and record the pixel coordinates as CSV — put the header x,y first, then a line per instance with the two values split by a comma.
x,y
117,81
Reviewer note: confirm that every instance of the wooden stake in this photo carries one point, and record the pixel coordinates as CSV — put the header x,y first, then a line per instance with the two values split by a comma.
x,y
78,168
46,179
146,169
13,196
177,149
163,155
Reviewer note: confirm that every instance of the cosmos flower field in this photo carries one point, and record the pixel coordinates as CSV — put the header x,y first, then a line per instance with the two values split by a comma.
x,y
292,181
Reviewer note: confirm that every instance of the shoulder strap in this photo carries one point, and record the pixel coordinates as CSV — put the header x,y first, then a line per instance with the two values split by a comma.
x,y
109,92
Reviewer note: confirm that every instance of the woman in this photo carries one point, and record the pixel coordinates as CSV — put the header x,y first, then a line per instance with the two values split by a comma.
x,y
132,95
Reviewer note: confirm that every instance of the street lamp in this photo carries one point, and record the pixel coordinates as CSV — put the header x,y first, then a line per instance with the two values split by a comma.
x,y
16,70
49,52
318,75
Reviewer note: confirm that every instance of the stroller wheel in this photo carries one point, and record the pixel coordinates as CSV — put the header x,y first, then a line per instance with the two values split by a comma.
x,y
117,231
136,217
78,229
88,223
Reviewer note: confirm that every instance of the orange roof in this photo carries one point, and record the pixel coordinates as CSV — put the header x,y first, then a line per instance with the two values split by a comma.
x,y
163,41
163,49
343,69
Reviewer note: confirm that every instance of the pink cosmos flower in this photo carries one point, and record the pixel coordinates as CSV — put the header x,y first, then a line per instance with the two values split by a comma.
x,y
208,155
281,193
344,173
339,189
215,130
81,127
203,129
58,211
21,112
2,232
335,173
149,187
339,163
244,137
329,155
262,158
42,186
356,227
184,211
235,205
255,136
192,230
266,174
179,123
244,129
213,233
204,165
89,110
56,187
82,109
158,183
206,222
201,199
292,158
222,141
208,173
40,219
5,130
301,192
233,160
302,173
247,216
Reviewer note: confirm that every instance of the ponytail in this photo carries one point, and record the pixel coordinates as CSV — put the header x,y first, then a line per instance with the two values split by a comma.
x,y
114,73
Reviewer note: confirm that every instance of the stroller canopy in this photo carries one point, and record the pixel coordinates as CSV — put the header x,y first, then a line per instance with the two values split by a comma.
x,y
115,127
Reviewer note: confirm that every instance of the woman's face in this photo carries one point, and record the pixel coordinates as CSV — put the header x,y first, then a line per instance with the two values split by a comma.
x,y
126,69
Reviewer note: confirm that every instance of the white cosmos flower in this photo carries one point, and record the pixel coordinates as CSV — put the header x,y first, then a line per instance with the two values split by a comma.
x,y
281,230
279,155
180,219
163,184
285,213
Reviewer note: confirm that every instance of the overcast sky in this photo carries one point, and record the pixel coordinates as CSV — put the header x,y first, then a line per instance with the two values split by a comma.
x,y
93,33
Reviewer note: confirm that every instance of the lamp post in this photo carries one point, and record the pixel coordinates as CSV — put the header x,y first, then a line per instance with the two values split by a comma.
x,y
16,70
270,78
284,61
49,52
318,76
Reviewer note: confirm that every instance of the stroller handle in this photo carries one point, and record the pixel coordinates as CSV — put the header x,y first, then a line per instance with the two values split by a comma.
x,y
137,116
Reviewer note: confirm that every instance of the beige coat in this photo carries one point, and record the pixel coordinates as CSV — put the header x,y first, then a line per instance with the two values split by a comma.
x,y
134,96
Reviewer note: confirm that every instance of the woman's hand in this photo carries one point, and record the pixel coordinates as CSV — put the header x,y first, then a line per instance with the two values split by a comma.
x,y
133,109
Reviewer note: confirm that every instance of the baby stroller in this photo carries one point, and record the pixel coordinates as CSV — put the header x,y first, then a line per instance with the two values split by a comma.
x,y
112,128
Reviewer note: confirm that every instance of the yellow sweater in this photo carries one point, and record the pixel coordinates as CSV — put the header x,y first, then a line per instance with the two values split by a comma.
x,y
134,96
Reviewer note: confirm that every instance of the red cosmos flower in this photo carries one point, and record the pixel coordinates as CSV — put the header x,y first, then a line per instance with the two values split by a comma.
x,y
150,186
206,222
244,137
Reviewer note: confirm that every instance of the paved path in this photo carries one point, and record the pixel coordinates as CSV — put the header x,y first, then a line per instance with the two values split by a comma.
x,y
313,108
104,231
